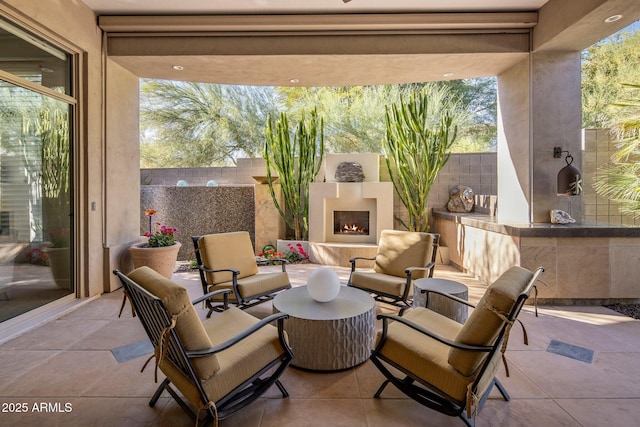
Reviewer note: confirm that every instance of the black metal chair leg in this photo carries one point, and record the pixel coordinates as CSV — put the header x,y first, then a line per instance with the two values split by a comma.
x,y
283,390
382,387
501,389
158,392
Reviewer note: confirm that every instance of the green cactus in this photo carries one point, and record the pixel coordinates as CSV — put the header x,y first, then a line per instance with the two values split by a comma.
x,y
418,138
295,157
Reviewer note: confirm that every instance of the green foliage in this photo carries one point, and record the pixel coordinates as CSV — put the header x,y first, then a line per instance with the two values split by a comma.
x,y
418,140
295,156
163,236
606,66
353,115
186,124
620,179
199,124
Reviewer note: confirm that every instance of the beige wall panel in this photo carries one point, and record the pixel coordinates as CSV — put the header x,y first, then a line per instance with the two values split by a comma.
x,y
514,160
625,267
556,112
542,252
583,267
122,163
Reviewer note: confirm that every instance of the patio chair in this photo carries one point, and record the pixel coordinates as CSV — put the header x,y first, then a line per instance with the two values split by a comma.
x,y
402,257
227,261
448,366
219,365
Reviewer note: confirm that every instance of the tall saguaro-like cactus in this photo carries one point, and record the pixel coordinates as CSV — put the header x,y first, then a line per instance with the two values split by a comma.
x,y
295,156
417,143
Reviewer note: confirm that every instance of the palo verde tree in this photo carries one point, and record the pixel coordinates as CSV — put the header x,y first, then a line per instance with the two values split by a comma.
x,y
295,156
419,135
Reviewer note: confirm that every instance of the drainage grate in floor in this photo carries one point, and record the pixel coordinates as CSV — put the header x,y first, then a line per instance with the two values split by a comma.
x,y
132,351
572,351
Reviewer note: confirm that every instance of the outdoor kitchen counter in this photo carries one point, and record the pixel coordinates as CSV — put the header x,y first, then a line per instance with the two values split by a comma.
x,y
585,263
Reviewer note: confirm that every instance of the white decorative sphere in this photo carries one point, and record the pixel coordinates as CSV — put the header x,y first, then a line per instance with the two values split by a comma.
x,y
323,284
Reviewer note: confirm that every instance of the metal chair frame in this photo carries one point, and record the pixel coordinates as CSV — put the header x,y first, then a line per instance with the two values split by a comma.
x,y
403,301
425,393
241,302
155,319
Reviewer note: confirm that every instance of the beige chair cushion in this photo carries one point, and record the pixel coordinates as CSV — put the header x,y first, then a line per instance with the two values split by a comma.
x,y
380,283
237,363
188,325
254,285
483,325
425,357
398,250
227,250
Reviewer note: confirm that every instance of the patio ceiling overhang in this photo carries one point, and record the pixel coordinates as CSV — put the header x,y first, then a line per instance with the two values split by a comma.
x,y
319,50
329,42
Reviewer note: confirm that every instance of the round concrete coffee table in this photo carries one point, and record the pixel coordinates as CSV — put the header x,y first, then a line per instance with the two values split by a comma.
x,y
328,336
438,303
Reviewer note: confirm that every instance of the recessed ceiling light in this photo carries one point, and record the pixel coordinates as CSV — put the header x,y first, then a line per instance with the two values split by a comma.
x,y
46,70
613,18
294,80
178,67
447,75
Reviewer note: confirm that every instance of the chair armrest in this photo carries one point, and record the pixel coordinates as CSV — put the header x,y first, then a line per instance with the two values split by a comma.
x,y
244,334
267,261
409,271
385,320
209,295
354,259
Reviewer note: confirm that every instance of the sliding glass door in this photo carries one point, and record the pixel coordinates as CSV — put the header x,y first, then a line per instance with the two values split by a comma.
x,y
36,209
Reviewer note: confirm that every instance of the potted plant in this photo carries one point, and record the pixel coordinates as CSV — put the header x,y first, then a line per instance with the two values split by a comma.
x,y
160,251
295,156
417,143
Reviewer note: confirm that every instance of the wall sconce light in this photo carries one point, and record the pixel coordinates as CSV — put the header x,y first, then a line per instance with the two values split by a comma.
x,y
569,177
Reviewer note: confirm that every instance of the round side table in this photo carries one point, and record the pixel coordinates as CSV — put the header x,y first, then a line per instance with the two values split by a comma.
x,y
441,304
328,336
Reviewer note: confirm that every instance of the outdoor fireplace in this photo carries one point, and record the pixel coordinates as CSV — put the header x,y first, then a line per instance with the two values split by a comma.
x,y
346,218
351,222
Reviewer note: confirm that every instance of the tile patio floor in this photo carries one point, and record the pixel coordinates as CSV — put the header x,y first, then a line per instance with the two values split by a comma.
x,y
68,365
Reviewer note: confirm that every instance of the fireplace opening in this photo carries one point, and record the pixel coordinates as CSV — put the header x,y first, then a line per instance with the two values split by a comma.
x,y
351,222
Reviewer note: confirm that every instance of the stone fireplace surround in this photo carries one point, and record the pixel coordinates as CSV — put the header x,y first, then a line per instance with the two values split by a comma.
x,y
327,196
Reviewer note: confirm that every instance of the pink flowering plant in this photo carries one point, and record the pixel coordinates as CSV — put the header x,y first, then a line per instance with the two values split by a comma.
x,y
162,236
295,253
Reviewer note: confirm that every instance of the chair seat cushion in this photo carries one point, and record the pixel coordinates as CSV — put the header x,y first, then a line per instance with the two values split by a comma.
x,y
380,283
259,284
425,357
243,360
237,363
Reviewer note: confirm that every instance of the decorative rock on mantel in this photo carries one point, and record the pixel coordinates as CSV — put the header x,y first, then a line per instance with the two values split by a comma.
x,y
460,199
349,172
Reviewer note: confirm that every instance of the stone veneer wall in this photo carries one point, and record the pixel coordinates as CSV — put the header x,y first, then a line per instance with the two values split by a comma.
x,y
199,210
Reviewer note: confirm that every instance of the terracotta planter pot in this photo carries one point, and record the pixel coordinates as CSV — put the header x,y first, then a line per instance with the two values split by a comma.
x,y
162,259
60,263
